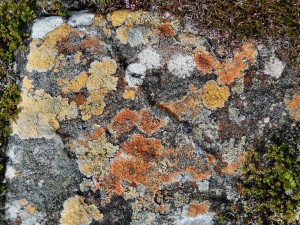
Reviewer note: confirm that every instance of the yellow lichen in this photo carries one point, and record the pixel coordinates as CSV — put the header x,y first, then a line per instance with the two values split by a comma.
x,y
43,53
77,57
294,107
120,17
101,75
27,83
76,84
122,34
214,96
41,113
129,94
30,209
99,84
76,212
94,157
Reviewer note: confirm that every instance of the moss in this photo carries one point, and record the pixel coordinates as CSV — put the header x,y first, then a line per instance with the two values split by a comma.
x,y
270,187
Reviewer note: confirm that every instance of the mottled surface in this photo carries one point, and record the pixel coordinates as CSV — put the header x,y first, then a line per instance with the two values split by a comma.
x,y
129,118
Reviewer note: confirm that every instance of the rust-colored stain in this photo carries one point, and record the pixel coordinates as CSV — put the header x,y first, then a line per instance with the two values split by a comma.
x,y
123,122
148,123
167,30
195,209
230,169
294,107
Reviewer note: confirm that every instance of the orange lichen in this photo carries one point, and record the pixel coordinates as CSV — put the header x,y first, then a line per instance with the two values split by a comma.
x,y
231,68
30,209
195,209
189,107
148,123
235,67
204,61
123,122
79,99
142,160
74,85
187,39
294,107
230,169
215,96
167,30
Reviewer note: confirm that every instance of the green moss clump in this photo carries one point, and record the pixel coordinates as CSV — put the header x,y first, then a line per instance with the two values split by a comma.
x,y
270,187
14,15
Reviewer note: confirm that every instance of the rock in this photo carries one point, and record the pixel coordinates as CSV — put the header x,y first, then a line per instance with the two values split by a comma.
x,y
127,118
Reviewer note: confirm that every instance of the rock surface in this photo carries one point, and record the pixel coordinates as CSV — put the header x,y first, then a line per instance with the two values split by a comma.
x,y
130,118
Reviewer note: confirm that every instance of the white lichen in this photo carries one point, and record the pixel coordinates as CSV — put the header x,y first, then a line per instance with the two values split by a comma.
x,y
150,58
135,74
182,66
274,67
45,25
206,219
81,19
10,172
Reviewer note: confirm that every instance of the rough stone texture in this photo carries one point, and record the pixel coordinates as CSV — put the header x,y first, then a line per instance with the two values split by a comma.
x,y
129,118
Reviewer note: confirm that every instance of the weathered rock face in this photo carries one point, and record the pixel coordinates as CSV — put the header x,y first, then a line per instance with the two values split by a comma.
x,y
129,118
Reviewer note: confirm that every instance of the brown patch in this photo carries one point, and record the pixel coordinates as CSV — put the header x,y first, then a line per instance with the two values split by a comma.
x,y
195,209
148,123
167,30
124,121
162,209
67,46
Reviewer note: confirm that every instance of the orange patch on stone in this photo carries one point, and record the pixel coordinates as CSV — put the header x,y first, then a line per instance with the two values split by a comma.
x,y
230,69
235,67
204,61
189,107
148,123
96,133
141,160
230,169
79,99
167,30
195,209
187,39
123,122
294,107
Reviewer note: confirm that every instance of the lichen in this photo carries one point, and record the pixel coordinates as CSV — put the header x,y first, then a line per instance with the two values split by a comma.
x,y
188,107
148,123
123,122
293,107
181,65
128,17
99,84
43,53
195,208
93,154
229,69
214,96
77,212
